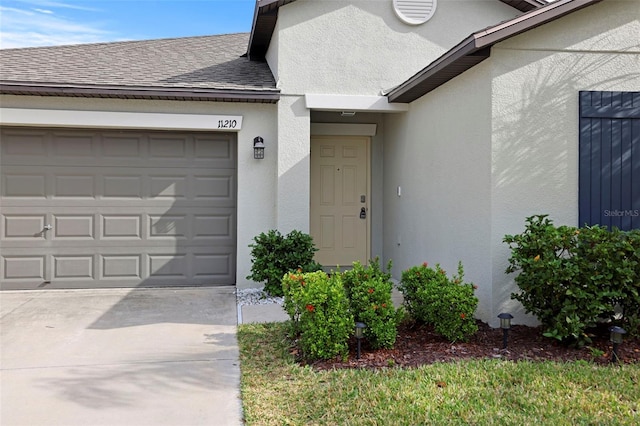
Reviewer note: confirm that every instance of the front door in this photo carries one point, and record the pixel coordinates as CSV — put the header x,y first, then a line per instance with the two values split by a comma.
x,y
340,197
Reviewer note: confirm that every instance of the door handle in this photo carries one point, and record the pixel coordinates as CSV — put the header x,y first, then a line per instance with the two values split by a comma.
x,y
48,227
363,213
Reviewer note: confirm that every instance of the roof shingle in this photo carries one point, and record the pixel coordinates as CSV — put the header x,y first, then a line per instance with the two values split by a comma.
x,y
196,64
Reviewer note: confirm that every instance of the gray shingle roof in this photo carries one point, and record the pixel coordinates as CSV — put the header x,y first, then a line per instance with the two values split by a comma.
x,y
207,65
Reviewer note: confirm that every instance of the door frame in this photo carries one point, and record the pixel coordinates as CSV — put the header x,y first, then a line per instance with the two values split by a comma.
x,y
367,141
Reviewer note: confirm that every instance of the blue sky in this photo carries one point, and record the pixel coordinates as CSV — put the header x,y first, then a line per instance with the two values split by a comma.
x,y
27,23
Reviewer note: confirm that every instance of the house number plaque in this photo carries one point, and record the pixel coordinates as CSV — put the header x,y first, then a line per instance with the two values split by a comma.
x,y
227,122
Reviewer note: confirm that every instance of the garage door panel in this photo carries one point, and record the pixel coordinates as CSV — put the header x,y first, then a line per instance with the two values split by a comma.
x,y
117,186
121,266
73,267
168,226
67,226
213,266
16,227
21,185
121,226
25,144
163,147
21,268
215,148
75,145
74,186
121,147
126,208
214,187
168,187
214,226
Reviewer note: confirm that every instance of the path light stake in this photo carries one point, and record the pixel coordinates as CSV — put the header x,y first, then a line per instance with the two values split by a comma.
x,y
505,325
616,338
360,326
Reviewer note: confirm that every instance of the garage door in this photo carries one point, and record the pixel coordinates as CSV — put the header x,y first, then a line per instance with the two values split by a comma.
x,y
86,208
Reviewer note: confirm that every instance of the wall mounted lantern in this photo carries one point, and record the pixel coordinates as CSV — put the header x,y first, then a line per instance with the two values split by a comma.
x,y
258,148
505,325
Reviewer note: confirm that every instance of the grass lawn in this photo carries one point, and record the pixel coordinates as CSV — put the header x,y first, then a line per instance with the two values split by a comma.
x,y
277,391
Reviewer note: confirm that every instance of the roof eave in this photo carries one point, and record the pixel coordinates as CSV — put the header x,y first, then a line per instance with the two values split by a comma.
x,y
265,16
524,5
183,94
477,47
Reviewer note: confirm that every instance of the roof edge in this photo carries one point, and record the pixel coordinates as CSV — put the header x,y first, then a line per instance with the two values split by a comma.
x,y
257,96
525,5
459,59
265,16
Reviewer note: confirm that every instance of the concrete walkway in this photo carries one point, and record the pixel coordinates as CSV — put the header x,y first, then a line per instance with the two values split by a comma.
x,y
119,357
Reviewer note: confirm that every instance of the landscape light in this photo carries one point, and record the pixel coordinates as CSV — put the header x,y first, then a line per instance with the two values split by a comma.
x,y
505,325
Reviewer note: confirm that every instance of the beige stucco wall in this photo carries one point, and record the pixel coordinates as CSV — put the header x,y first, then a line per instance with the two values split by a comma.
x,y
536,80
356,47
499,143
256,210
438,154
360,47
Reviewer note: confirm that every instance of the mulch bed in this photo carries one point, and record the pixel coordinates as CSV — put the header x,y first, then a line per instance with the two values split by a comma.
x,y
419,345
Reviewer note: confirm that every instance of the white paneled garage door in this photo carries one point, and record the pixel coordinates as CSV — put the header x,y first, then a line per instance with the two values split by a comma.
x,y
88,208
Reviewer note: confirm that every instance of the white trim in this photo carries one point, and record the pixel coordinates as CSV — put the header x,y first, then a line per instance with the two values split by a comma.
x,y
352,103
343,129
119,120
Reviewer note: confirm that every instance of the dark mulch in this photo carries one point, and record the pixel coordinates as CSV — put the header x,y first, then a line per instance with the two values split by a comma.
x,y
419,345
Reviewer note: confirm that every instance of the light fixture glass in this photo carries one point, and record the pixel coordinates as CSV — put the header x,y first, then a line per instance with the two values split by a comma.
x,y
505,320
360,326
258,148
616,334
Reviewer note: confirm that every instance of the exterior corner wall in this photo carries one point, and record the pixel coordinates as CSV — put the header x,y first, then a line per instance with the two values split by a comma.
x,y
439,155
536,78
272,56
293,165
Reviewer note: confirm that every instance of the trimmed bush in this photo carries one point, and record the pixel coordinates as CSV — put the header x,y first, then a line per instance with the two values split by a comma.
x,y
273,255
319,311
369,292
572,278
449,304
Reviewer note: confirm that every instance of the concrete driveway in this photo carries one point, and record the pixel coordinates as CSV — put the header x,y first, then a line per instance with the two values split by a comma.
x,y
119,357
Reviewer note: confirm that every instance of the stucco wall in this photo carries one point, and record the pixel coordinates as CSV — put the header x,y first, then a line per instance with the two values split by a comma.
x,y
536,80
499,143
360,47
257,184
439,155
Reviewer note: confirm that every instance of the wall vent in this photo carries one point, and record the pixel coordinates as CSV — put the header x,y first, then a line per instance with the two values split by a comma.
x,y
414,12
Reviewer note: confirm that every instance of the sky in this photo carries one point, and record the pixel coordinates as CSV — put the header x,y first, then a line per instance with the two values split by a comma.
x,y
29,23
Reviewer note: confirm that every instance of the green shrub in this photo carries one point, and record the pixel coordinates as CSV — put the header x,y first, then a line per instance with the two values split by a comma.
x,y
449,304
319,310
273,255
369,289
573,278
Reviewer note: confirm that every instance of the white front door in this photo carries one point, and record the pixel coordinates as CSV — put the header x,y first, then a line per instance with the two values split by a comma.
x,y
340,197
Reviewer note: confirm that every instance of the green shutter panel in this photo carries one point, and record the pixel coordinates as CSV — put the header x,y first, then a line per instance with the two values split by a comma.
x,y
609,159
